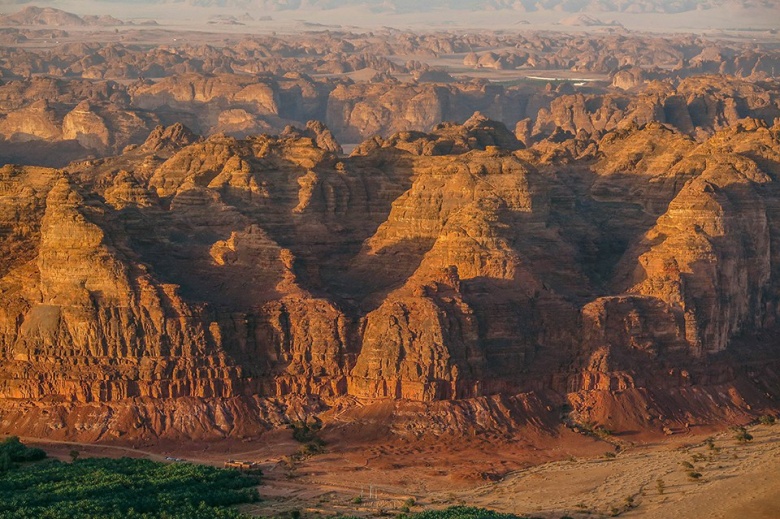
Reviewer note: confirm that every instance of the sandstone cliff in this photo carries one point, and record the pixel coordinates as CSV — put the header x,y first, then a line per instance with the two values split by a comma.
x,y
207,287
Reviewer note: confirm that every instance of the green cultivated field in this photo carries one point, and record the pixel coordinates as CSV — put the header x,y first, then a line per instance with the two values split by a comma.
x,y
115,488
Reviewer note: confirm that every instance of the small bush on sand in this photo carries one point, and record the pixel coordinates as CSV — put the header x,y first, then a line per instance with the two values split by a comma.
x,y
742,435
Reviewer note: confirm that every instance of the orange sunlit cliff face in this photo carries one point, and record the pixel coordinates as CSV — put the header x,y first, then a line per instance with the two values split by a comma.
x,y
209,230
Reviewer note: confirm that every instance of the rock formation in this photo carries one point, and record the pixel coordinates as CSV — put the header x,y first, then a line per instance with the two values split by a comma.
x,y
248,282
82,99
204,259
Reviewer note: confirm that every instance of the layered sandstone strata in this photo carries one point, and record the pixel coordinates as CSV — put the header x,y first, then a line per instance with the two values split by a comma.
x,y
250,281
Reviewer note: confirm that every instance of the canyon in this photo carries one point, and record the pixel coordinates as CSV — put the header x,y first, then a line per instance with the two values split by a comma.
x,y
201,287
519,244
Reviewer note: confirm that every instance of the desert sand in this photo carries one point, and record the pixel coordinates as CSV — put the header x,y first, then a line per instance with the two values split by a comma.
x,y
738,480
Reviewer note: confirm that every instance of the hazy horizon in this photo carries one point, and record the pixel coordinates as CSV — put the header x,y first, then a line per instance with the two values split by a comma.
x,y
656,16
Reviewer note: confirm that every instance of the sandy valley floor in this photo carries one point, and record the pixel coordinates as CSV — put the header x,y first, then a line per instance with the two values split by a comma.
x,y
739,481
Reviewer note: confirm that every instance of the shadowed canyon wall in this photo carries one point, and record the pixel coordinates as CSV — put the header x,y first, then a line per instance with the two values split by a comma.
x,y
256,280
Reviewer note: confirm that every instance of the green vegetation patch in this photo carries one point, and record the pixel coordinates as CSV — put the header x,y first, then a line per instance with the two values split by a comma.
x,y
119,488
462,512
14,451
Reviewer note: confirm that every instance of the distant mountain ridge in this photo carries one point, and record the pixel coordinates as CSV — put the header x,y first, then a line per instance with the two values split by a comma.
x,y
568,6
407,6
50,16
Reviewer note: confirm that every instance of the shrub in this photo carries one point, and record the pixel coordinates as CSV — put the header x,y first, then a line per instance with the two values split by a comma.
x,y
610,455
766,419
593,429
311,448
302,433
18,452
742,435
693,475
307,434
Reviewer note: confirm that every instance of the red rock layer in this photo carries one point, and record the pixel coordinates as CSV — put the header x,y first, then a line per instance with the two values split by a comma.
x,y
209,287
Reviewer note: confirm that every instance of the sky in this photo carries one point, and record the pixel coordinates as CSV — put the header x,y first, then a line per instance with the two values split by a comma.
x,y
684,15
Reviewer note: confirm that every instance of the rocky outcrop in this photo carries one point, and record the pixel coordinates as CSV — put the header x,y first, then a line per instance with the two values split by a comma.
x,y
70,130
86,127
697,106
468,227
709,254
99,98
36,121
320,135
252,281
628,78
222,102
170,138
96,305
476,133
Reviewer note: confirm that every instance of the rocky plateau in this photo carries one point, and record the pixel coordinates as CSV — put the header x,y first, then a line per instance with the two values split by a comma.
x,y
64,97
202,241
